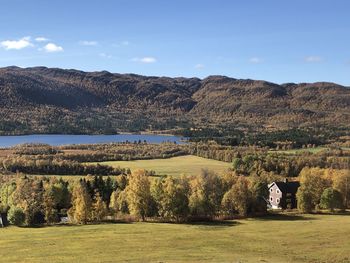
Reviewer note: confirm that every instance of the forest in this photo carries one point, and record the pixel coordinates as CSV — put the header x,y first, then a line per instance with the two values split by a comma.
x,y
98,193
208,196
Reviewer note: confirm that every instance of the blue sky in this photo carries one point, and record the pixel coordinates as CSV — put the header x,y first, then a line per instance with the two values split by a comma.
x,y
275,40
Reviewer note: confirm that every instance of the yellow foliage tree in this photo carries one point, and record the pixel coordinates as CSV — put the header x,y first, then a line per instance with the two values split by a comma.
x,y
138,194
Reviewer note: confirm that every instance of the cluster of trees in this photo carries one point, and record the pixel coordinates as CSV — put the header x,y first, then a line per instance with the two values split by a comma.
x,y
48,165
138,150
35,149
212,150
287,139
123,151
288,165
323,189
32,201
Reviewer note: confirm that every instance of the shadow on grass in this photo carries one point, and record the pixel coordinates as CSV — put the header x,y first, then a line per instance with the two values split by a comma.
x,y
106,222
214,223
286,217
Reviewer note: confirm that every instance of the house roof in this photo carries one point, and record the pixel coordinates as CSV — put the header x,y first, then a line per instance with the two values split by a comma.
x,y
287,187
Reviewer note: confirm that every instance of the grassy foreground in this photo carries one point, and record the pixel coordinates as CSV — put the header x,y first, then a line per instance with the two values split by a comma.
x,y
314,238
188,165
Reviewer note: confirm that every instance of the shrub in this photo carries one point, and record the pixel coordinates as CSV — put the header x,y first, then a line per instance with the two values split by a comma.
x,y
16,216
331,199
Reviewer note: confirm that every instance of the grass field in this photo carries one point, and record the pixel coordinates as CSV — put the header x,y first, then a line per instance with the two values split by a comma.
x,y
188,165
311,150
313,238
295,151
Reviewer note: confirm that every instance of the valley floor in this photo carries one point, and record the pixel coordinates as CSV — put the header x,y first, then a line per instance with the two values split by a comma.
x,y
279,238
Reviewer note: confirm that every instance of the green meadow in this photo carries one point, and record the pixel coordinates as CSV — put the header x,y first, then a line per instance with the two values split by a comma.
x,y
279,238
187,165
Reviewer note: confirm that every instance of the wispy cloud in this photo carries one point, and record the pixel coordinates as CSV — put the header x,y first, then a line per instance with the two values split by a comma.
x,y
52,47
88,43
199,66
42,39
104,55
145,60
313,59
256,60
16,44
122,43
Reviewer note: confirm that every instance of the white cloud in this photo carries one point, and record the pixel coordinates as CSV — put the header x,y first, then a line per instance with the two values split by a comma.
x,y
255,60
51,47
145,60
41,39
104,55
88,43
123,43
313,59
199,66
16,44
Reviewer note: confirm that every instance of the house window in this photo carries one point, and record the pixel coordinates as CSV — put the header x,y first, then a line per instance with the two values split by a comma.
x,y
271,190
271,198
277,191
277,200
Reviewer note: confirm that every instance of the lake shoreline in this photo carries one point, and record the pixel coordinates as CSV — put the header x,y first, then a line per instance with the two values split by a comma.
x,y
70,139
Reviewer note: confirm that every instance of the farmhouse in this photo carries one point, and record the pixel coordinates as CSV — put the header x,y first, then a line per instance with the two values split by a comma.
x,y
282,195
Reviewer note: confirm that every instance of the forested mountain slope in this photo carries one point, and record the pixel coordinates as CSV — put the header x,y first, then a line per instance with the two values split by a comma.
x,y
70,101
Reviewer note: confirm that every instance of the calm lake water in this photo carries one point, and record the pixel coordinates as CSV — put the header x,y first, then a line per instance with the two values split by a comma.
x,y
59,139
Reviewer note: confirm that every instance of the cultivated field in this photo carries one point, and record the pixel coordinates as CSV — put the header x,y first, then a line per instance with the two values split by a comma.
x,y
313,238
188,165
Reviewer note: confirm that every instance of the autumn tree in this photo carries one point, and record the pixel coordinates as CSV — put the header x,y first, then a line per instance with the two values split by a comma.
x,y
331,199
305,199
138,194
171,197
206,192
99,209
29,197
80,212
341,182
50,204
16,216
314,181
238,198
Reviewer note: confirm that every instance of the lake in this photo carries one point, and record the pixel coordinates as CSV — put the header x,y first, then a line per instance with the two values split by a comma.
x,y
63,139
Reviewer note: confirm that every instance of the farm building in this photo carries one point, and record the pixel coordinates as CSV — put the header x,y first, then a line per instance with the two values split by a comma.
x,y
282,195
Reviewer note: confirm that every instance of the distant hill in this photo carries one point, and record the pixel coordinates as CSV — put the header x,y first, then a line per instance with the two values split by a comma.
x,y
70,101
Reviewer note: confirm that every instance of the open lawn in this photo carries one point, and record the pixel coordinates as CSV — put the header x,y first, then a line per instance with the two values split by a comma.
x,y
313,238
188,165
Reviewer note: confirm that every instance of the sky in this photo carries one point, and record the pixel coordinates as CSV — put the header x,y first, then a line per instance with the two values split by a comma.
x,y
275,40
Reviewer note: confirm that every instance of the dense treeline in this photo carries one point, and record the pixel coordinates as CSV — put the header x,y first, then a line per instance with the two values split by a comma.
x,y
45,159
35,149
33,201
288,166
278,139
254,160
323,189
47,165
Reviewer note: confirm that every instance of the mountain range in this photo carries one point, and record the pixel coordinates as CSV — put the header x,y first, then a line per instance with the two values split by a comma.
x,y
53,100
